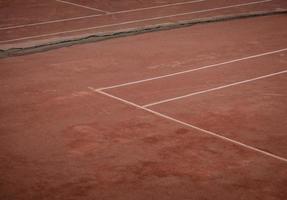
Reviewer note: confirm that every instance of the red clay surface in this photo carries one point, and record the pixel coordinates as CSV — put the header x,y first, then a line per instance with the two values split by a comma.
x,y
253,113
178,85
34,27
17,12
60,140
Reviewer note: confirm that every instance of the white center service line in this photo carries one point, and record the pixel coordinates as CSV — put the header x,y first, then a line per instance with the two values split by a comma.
x,y
190,125
135,21
214,89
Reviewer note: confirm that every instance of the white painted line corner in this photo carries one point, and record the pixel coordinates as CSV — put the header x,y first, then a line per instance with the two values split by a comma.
x,y
189,125
82,6
132,21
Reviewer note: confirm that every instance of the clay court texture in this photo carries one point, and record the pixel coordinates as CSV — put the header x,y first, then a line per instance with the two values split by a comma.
x,y
191,113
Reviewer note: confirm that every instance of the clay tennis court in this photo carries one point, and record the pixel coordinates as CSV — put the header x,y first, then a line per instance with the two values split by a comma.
x,y
32,23
197,112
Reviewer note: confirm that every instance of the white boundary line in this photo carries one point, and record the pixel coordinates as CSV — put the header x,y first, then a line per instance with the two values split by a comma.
x,y
96,15
135,21
190,125
81,6
50,22
214,89
192,70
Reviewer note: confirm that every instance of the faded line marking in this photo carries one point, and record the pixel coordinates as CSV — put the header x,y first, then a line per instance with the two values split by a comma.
x,y
81,6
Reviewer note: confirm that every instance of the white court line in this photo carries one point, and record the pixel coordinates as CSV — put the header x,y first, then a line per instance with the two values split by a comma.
x,y
214,89
50,22
96,15
81,6
190,125
162,6
134,21
193,70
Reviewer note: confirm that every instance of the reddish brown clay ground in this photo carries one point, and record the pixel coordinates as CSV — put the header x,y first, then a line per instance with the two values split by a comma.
x,y
174,86
35,22
250,113
61,141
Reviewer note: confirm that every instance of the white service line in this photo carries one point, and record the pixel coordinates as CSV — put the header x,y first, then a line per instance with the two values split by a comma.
x,y
162,6
190,125
214,89
134,21
81,6
196,69
96,15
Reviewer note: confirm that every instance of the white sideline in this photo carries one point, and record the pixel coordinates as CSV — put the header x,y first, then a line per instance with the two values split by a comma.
x,y
134,21
214,89
192,70
96,15
49,22
190,125
81,6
